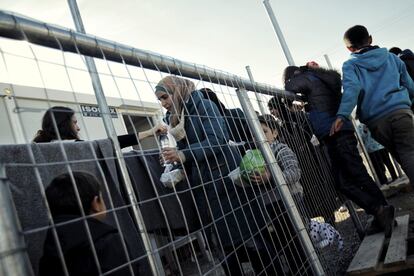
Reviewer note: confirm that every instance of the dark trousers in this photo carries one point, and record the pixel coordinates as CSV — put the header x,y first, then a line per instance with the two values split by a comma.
x,y
276,252
260,259
351,176
396,133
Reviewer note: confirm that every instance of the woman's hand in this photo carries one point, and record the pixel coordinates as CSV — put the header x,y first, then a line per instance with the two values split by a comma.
x,y
156,130
172,155
159,129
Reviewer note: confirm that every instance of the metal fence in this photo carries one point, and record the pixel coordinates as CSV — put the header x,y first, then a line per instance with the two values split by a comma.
x,y
217,219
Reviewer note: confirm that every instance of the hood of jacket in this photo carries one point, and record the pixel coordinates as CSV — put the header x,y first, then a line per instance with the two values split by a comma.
x,y
371,59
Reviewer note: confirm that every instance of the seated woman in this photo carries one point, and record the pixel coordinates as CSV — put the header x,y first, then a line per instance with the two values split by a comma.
x,y
63,119
232,213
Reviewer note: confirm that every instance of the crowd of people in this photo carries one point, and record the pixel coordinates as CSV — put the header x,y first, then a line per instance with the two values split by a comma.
x,y
237,212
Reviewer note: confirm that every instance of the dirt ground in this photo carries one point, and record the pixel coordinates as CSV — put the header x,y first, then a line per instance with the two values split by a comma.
x,y
337,261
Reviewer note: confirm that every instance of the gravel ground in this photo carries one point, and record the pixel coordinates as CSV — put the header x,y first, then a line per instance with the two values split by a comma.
x,y
404,204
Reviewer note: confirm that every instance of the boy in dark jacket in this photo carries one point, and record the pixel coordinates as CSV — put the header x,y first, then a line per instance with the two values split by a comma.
x,y
81,257
321,89
377,82
407,56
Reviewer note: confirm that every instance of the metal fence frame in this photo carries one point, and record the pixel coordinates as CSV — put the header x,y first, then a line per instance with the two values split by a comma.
x,y
23,28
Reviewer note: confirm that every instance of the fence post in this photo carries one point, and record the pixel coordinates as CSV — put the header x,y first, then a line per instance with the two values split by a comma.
x,y
328,61
278,32
110,130
13,256
258,96
366,154
280,181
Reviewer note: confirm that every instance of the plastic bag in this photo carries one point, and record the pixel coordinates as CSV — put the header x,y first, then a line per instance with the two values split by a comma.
x,y
324,234
314,140
236,178
171,176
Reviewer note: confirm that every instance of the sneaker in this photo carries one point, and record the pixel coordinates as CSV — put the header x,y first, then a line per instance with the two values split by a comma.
x,y
343,209
385,219
375,227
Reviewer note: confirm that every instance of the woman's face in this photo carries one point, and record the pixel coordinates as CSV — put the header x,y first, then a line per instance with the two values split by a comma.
x,y
74,125
166,100
270,134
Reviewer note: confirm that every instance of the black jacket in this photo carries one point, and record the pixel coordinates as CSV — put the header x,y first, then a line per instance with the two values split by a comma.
x,y
237,125
78,252
408,58
321,90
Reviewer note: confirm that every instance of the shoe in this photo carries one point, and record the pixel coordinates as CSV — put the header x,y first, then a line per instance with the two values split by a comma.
x,y
343,209
385,219
375,227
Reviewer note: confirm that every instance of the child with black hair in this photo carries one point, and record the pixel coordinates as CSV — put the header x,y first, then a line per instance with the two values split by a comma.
x,y
285,158
282,234
377,82
74,242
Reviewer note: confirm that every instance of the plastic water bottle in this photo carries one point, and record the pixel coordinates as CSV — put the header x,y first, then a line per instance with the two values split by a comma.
x,y
165,143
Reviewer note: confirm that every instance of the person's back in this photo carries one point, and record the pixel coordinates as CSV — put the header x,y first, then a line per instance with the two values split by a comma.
x,y
74,241
377,82
379,77
407,56
321,90
77,250
237,125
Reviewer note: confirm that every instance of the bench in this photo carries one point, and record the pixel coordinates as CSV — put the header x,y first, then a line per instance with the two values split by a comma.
x,y
378,255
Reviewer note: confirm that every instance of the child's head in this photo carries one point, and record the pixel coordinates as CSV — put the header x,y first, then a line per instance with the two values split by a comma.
x,y
279,107
356,38
270,127
62,199
395,50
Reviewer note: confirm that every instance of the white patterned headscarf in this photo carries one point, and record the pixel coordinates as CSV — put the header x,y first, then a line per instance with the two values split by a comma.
x,y
180,90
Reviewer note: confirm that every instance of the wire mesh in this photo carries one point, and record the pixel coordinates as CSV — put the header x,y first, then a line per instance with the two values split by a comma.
x,y
211,211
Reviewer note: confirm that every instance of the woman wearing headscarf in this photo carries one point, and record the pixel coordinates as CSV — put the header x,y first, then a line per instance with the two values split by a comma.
x,y
231,212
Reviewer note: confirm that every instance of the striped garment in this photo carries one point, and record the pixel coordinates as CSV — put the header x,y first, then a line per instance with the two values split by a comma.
x,y
287,161
289,165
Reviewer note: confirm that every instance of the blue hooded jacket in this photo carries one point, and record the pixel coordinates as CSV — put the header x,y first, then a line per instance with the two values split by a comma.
x,y
377,82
